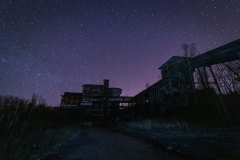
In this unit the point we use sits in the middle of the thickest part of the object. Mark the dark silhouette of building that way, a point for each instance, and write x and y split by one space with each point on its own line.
71 99
177 88
101 100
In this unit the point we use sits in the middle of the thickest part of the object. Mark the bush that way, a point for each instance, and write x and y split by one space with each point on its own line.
28 127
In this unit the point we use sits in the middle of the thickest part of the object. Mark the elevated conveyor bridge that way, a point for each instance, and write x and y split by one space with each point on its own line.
225 53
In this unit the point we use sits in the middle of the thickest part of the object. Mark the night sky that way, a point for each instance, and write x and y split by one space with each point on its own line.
50 47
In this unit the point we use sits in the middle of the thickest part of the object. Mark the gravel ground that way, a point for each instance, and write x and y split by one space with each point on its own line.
97 143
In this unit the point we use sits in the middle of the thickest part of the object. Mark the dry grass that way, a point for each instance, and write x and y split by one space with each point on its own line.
59 137
149 124
29 130
29 140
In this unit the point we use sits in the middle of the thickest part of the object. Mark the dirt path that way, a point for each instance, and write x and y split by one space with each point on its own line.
103 144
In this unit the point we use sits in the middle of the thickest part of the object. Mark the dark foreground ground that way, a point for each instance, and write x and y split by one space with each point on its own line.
214 144
97 143
120 143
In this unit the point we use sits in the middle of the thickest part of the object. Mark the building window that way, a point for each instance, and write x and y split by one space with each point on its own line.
170 66
175 84
164 71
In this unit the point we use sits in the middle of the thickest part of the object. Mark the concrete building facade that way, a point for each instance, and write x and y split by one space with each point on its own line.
100 99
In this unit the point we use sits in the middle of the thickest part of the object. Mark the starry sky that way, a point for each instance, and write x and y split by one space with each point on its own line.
50 47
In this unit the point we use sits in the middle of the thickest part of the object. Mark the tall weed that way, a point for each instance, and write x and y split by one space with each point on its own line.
29 128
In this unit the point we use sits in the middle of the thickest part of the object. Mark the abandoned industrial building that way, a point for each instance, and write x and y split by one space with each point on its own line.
176 88
100 100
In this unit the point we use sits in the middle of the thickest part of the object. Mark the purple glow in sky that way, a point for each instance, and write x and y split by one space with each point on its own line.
54 46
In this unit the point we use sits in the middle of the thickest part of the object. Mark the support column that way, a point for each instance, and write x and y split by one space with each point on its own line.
105 97
201 78
66 100
215 80
221 101
205 72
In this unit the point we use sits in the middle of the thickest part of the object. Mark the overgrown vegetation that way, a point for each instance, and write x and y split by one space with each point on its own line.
151 124
29 128
216 98
215 102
